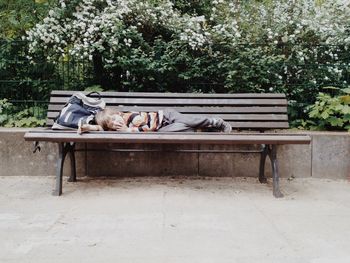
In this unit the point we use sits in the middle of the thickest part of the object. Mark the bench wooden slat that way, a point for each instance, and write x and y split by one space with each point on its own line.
168 138
183 102
238 125
259 125
227 117
194 109
60 93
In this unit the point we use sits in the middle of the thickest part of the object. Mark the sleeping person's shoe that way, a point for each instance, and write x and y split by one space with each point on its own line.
222 125
226 127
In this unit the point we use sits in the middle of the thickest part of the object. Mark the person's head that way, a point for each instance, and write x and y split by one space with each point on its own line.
107 118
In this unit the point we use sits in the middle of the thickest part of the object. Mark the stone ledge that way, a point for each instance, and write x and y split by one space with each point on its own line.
326 157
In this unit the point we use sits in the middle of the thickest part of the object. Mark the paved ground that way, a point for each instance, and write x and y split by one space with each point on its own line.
174 220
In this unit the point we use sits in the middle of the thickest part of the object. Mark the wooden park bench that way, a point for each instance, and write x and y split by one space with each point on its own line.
257 113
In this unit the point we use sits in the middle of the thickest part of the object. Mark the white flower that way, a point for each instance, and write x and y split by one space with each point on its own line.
90 28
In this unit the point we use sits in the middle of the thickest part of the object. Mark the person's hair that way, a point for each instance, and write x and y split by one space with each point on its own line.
103 117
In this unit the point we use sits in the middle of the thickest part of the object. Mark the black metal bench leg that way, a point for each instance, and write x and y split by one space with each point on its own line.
59 172
273 157
73 176
262 177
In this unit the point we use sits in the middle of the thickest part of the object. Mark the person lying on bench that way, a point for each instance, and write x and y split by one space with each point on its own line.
167 120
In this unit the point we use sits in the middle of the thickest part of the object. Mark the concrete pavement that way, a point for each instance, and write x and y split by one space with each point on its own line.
174 219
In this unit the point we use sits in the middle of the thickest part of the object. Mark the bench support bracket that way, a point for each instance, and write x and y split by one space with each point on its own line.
271 151
63 149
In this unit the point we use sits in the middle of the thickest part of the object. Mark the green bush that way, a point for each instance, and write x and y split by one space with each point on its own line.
330 112
5 107
10 116
197 46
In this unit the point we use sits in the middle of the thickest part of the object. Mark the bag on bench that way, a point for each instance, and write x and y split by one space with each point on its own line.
80 109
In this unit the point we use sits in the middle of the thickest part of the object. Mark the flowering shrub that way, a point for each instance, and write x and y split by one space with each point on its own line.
84 28
219 46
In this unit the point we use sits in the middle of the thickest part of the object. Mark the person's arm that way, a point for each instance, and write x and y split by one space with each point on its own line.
137 122
121 126
89 127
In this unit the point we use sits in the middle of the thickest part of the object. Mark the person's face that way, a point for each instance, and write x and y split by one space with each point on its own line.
115 122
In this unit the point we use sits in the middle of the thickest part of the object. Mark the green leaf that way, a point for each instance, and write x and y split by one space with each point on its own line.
339 107
336 122
314 113
96 88
324 115
346 109
346 117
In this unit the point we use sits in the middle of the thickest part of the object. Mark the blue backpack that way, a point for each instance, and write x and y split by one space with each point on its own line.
80 109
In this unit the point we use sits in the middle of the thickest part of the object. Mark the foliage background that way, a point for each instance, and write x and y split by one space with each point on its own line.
294 47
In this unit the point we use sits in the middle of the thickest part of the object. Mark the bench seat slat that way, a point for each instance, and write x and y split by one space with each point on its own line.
59 93
194 109
239 125
259 125
227 117
166 138
183 102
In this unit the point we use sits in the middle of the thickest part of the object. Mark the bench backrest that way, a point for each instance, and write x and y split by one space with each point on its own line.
258 111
